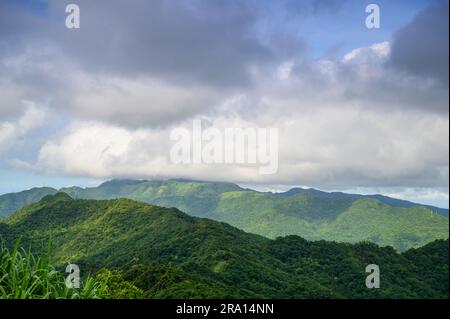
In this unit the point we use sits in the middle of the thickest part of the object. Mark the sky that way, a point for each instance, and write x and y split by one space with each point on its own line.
357 109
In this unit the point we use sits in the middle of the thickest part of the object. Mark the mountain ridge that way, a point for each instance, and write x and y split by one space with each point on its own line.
309 213
294 190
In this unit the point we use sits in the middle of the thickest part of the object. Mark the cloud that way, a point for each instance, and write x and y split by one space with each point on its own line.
360 79
316 7
11 131
215 43
11 96
132 102
375 116
332 148
114 150
146 102
161 64
193 41
157 62
364 148
421 47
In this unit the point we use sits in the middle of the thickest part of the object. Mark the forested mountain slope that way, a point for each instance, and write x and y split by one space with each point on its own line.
308 213
169 254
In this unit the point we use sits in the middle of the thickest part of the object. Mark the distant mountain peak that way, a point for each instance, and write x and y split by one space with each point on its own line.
121 182
299 190
57 197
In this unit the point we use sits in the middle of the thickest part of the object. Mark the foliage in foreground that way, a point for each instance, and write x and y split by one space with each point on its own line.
24 275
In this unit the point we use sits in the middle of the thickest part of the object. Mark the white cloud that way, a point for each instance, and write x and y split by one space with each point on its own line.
100 150
379 50
140 102
326 148
45 75
11 131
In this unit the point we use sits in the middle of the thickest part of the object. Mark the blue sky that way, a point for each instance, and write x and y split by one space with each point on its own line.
344 28
196 60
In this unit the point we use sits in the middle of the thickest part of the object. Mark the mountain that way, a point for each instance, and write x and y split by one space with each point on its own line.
308 213
394 202
9 203
169 254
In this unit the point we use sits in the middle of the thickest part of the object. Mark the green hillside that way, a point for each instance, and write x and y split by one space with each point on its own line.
311 214
308 213
9 203
168 254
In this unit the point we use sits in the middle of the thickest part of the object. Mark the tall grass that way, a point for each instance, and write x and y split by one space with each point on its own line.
24 275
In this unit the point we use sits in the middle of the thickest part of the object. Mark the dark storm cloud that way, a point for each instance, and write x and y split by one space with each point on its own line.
204 41
211 42
422 47
201 41
207 47
204 47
